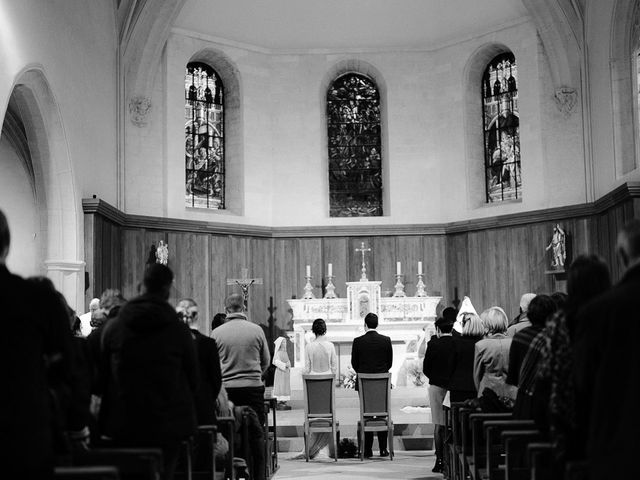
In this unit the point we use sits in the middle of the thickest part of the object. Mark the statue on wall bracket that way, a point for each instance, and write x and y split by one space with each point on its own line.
558 247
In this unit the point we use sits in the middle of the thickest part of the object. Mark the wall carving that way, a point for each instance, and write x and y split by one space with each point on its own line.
566 99
139 108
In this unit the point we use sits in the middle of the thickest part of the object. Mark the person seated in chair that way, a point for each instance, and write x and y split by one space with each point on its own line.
372 353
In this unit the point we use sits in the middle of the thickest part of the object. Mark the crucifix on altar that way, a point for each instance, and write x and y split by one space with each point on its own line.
244 283
363 278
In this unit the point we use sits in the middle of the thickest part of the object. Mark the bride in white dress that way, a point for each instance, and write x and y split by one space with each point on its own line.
320 358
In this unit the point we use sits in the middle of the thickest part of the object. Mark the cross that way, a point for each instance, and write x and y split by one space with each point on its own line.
244 283
364 268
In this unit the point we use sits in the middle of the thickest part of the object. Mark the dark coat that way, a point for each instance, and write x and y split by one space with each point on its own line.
461 379
371 353
607 372
210 378
438 361
35 331
151 367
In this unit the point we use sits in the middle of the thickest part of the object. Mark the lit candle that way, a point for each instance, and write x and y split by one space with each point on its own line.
398 272
419 268
308 270
330 270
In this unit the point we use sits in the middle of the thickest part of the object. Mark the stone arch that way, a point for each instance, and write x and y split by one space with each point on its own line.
472 108
234 132
625 42
54 182
364 68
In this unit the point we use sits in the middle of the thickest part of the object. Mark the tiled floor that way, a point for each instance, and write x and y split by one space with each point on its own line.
411 465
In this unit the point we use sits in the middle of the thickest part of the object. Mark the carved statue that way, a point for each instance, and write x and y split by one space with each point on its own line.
558 247
162 253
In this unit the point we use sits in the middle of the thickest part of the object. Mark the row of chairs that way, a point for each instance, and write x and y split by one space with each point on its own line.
495 446
375 408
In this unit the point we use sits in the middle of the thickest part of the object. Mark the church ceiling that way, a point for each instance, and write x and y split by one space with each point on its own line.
347 24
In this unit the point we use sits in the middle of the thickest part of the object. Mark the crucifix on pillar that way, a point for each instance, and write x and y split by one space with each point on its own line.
244 283
363 278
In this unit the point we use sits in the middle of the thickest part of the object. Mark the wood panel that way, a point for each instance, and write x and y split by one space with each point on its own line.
383 266
334 251
285 285
310 253
434 259
219 255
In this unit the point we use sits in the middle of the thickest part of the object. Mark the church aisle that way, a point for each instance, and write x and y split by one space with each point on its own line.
411 465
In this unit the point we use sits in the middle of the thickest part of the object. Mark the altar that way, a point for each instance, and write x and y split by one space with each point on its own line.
406 320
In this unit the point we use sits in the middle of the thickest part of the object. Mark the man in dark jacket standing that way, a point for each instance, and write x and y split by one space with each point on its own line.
607 367
438 367
152 372
35 336
372 353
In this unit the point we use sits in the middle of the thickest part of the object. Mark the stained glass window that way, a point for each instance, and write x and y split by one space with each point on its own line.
501 129
355 153
204 137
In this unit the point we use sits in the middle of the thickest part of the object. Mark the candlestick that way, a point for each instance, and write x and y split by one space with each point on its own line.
308 288
330 288
308 270
398 270
419 268
399 286
420 286
330 271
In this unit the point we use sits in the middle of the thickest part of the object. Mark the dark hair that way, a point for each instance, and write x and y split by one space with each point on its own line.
111 300
560 299
371 320
540 309
588 277
5 235
450 314
218 319
319 327
444 325
157 279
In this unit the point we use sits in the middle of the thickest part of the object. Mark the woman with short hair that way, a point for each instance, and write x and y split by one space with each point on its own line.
491 359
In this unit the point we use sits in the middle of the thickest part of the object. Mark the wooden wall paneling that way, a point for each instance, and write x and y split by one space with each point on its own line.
499 255
381 262
219 259
539 258
408 253
457 266
261 266
519 268
136 244
286 283
89 252
477 273
115 255
239 258
334 251
189 260
310 253
434 266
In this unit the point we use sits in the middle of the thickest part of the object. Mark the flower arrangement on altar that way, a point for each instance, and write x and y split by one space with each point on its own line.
348 380
415 373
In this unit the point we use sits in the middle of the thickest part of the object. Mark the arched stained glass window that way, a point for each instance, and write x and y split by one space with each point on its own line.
204 137
501 129
355 153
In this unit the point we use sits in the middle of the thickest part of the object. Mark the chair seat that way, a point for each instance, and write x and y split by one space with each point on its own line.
321 422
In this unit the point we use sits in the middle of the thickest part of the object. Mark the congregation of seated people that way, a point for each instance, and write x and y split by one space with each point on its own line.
551 394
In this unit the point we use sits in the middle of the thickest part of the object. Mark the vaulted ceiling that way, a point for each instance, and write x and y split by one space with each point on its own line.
295 25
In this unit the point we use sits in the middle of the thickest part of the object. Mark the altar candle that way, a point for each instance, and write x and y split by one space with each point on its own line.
419 268
330 270
308 270
398 272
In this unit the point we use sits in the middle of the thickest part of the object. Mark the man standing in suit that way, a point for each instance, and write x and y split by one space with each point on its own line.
607 368
372 353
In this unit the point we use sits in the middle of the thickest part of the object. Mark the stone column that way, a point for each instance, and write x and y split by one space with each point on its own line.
68 278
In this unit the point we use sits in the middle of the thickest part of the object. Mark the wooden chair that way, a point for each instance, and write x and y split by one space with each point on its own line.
132 463
319 409
228 426
86 473
495 468
476 460
375 407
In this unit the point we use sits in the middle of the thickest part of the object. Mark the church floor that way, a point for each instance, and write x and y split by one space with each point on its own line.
406 465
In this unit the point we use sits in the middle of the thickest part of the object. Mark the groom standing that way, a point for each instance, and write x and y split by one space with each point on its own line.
372 353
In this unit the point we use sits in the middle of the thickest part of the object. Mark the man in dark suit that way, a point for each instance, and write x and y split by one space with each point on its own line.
372 353
438 367
607 368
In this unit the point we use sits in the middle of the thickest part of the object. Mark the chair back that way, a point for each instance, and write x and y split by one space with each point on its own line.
319 395
375 393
